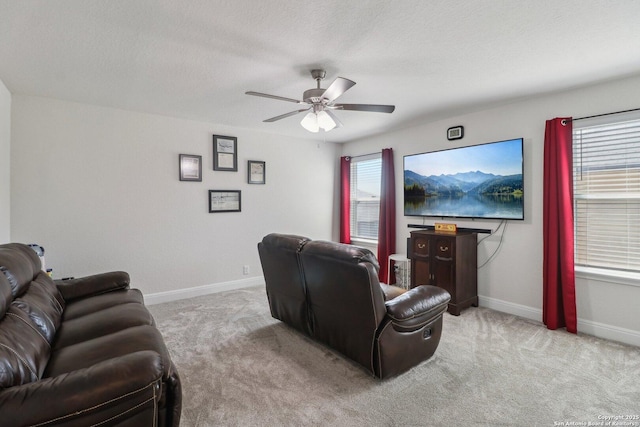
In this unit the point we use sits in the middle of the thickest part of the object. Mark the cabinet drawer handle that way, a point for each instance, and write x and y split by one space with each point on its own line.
439 258
444 248
421 245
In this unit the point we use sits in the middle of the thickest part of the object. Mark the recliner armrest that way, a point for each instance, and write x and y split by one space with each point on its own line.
93 285
417 307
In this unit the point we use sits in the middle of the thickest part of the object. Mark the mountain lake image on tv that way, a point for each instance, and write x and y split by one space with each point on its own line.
479 181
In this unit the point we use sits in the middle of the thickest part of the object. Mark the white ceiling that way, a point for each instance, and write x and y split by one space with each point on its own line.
195 59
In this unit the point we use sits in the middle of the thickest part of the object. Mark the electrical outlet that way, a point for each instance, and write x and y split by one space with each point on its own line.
245 270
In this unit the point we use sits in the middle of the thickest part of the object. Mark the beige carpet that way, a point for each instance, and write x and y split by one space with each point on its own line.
240 367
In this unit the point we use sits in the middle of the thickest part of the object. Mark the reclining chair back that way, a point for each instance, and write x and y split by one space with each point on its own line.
346 303
283 278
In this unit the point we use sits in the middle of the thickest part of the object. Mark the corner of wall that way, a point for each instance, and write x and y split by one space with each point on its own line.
5 163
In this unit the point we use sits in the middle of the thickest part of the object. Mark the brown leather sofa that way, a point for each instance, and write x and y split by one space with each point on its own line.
331 293
79 352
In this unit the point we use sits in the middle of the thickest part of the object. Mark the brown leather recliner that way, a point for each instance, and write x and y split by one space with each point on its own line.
79 352
330 292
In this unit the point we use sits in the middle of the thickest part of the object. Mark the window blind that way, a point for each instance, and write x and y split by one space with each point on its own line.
606 183
365 196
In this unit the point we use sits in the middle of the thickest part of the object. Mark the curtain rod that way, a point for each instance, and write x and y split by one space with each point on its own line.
377 153
362 155
605 114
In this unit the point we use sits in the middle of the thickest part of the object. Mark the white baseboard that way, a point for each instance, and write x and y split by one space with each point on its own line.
511 308
178 294
600 330
614 333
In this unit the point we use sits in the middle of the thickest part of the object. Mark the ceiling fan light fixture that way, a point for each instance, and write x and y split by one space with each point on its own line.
325 121
310 122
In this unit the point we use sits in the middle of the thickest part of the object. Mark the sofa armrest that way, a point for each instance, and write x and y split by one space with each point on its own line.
417 307
110 390
93 285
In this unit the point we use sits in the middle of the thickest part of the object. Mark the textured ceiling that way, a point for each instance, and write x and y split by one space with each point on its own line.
195 59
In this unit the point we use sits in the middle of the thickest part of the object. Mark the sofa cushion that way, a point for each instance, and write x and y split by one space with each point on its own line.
30 311
43 304
24 351
101 323
87 353
11 280
95 284
21 265
5 295
84 306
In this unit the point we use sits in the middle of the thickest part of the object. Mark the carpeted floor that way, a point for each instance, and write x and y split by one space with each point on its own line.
240 367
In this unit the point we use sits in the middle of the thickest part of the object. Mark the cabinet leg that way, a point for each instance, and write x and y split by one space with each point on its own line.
455 310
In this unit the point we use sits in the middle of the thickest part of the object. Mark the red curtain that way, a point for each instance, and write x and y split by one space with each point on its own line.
387 222
559 293
345 199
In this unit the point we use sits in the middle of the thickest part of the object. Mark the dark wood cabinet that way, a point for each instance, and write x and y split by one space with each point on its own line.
449 261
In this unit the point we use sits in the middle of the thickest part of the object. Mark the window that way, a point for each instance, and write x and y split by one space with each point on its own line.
365 196
606 183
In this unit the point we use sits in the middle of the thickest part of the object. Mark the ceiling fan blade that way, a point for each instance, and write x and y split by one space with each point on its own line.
334 117
339 86
284 116
281 98
366 107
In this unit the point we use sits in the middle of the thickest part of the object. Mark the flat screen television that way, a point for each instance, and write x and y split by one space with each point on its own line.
480 181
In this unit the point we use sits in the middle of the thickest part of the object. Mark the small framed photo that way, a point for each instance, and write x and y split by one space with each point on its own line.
225 153
190 167
224 201
256 172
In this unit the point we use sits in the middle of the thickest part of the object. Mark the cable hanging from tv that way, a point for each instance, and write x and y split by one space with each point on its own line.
502 224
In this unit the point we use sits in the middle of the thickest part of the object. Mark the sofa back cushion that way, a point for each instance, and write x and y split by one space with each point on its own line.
43 305
283 278
30 313
33 291
345 300
24 352
5 295
20 264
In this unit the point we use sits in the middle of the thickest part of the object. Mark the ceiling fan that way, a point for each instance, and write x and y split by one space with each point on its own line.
320 104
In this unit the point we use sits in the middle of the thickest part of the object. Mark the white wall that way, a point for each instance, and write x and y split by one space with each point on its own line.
5 156
512 282
99 189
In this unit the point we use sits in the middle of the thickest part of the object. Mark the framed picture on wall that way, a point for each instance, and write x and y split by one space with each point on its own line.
256 172
190 167
225 153
224 201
